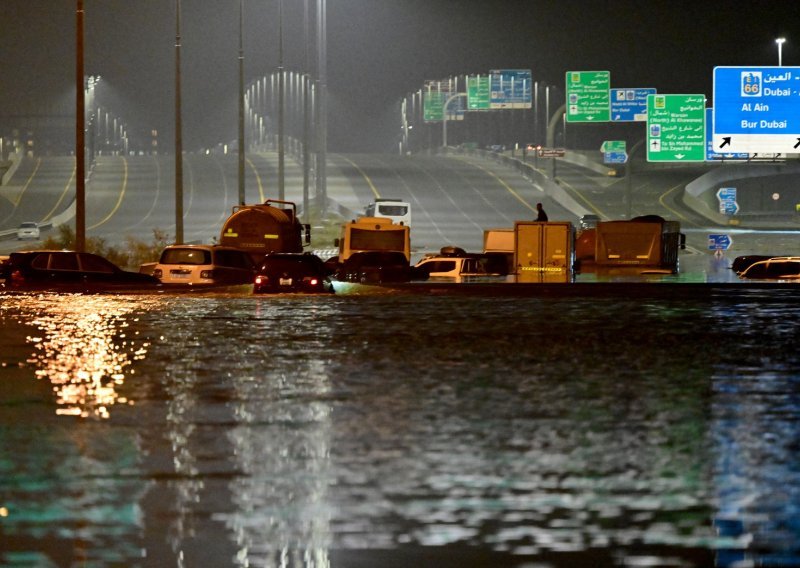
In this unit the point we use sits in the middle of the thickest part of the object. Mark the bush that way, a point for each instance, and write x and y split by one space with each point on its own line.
134 254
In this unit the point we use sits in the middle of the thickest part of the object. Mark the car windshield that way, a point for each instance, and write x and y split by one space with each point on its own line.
185 256
28 226
394 210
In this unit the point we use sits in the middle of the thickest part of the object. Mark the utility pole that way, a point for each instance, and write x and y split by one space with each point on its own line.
80 136
241 102
306 116
178 130
281 104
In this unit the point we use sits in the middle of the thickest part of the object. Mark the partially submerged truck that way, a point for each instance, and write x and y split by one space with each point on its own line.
373 249
266 227
646 242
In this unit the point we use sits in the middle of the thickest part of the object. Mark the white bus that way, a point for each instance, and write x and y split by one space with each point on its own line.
398 211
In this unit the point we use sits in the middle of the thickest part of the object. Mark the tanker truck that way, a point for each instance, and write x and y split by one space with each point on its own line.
266 227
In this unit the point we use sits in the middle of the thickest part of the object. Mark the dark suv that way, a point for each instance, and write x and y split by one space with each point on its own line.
61 270
287 272
375 267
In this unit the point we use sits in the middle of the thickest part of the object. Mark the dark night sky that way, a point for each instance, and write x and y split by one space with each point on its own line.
378 51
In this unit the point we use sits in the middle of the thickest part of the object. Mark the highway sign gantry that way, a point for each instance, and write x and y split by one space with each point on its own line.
588 98
757 110
676 128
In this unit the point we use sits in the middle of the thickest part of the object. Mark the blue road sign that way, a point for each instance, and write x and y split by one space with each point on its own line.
727 201
719 242
629 105
757 109
511 88
711 155
615 157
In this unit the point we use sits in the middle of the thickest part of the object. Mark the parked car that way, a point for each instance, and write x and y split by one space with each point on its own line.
69 271
776 268
28 231
375 267
192 265
292 272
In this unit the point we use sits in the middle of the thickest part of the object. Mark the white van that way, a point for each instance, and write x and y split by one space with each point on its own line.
398 211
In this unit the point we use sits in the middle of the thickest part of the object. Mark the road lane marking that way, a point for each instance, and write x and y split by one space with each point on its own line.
27 183
504 184
665 206
258 180
63 194
364 175
121 195
588 203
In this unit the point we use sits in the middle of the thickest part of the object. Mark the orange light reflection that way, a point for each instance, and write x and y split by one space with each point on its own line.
86 349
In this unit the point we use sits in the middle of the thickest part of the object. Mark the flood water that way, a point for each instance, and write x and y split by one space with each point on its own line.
400 429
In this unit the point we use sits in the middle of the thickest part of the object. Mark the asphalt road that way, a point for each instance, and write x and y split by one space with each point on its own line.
454 199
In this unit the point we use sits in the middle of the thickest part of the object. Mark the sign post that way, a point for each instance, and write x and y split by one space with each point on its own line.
614 152
676 128
588 98
727 201
719 242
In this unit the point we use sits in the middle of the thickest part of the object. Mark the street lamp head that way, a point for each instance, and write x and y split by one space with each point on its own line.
780 41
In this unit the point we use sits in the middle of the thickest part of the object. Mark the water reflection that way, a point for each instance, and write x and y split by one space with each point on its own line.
298 431
268 475
756 430
83 346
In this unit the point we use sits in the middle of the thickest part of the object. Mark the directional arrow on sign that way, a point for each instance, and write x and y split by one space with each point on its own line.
798 143
680 156
725 141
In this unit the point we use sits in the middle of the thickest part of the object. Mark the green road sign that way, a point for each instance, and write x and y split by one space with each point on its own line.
588 98
676 128
610 146
433 103
478 92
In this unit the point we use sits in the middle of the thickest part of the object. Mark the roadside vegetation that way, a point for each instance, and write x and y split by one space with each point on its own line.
135 252
129 256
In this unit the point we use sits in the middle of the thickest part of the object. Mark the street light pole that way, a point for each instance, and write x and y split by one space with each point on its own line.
444 116
281 88
178 130
780 41
241 102
80 137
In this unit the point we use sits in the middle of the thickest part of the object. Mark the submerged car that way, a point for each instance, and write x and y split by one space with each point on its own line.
775 268
375 267
69 271
292 272
204 265
455 264
28 231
